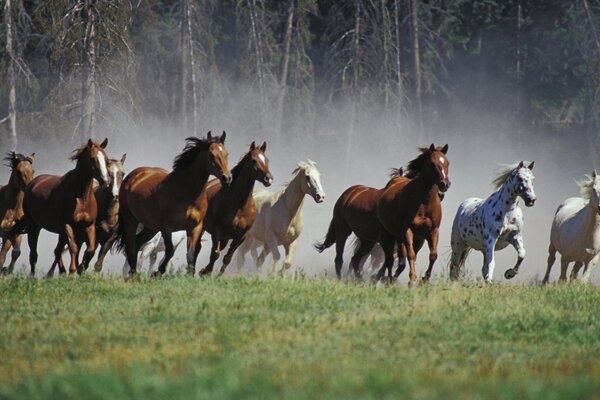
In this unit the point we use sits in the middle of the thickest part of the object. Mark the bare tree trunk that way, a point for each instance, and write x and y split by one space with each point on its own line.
592 101
88 120
414 18
386 50
12 79
257 47
283 73
355 78
185 64
193 68
520 110
399 83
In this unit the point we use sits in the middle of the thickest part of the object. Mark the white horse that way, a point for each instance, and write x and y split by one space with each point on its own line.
493 223
279 217
575 232
152 247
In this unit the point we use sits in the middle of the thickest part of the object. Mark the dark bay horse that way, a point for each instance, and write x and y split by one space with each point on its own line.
409 210
66 205
11 205
107 200
166 202
231 209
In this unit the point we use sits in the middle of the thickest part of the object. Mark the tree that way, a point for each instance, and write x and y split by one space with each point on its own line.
12 79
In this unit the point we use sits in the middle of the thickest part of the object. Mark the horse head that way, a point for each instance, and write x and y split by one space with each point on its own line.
218 155
440 164
261 164
115 174
22 168
311 180
593 190
524 183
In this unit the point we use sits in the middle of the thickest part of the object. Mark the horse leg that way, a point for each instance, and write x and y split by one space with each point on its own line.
341 235
410 255
58 250
194 244
401 253
432 241
6 245
73 248
589 267
387 244
551 259
517 242
575 271
290 249
564 265
488 261
363 249
215 252
169 251
104 248
33 235
235 243
90 250
16 252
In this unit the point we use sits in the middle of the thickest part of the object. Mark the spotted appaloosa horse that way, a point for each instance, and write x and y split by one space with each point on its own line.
493 223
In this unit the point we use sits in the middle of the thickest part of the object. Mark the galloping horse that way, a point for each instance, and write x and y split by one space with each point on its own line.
66 205
231 210
152 247
493 223
11 205
575 232
107 200
356 211
279 217
409 210
167 202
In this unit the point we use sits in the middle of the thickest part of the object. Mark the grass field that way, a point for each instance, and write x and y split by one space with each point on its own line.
95 337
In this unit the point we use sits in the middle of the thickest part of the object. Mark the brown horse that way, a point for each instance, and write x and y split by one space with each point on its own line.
231 210
107 200
166 202
66 205
410 211
11 205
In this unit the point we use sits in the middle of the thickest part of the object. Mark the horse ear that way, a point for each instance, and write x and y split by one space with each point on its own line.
31 157
209 136
594 174
431 148
104 143
445 149
223 136
263 148
123 158
530 166
520 165
252 146
90 143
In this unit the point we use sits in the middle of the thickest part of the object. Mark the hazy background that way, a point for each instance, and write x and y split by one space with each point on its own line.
355 86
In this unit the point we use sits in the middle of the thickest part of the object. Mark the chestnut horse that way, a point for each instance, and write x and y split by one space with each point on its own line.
357 211
166 202
107 200
11 205
231 210
66 205
410 210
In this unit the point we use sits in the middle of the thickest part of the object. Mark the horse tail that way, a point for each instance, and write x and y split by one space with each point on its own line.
119 244
329 238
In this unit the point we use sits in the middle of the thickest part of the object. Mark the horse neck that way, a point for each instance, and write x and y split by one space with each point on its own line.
192 179
591 218
422 188
242 184
13 196
507 198
83 179
293 197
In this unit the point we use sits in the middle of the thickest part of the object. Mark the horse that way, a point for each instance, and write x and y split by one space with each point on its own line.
152 247
165 201
410 211
279 216
107 200
231 210
494 222
66 205
356 211
575 232
11 205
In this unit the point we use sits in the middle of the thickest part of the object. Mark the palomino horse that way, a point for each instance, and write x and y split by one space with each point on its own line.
575 232
357 211
279 218
231 209
493 223
11 205
107 200
66 205
166 202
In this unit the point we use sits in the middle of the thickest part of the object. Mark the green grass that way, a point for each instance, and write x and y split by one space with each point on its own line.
176 337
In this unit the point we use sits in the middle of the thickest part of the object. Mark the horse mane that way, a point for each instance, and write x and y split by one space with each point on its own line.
504 174
235 170
304 165
12 159
396 172
413 168
192 147
585 187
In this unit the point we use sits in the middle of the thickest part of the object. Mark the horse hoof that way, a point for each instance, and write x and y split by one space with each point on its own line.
4 271
155 274
510 273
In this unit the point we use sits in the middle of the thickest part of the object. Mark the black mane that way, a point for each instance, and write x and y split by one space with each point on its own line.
12 159
414 167
192 147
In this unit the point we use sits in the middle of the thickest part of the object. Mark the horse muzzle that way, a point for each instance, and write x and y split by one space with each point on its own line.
267 180
530 202
226 179
319 198
444 186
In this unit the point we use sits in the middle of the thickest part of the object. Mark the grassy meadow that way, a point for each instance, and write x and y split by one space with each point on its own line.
95 337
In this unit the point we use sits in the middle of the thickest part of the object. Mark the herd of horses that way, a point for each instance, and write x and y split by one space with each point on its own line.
153 209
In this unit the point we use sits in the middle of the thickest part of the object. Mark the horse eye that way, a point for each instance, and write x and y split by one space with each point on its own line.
521 188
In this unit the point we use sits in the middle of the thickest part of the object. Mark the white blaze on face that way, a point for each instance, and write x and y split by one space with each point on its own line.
262 158
102 165
220 148
316 178
443 161
114 187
